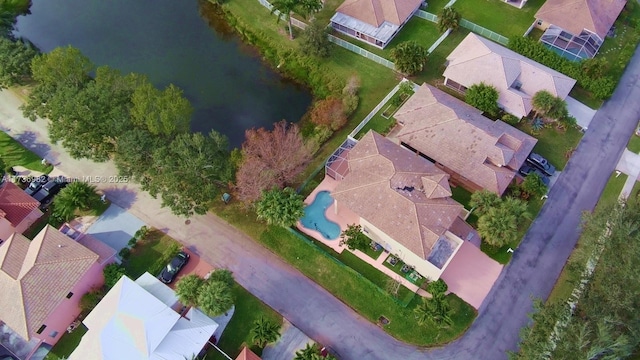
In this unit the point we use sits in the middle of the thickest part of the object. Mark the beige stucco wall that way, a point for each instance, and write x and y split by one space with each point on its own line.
544 26
29 220
422 266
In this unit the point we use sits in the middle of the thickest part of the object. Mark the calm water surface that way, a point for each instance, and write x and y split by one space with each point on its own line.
169 41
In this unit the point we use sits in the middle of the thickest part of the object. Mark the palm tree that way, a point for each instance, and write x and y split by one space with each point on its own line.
436 310
307 353
448 19
188 288
300 7
77 195
483 200
280 207
497 227
215 298
264 332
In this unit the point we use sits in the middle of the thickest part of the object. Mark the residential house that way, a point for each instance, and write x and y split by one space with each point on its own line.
373 21
478 60
42 282
576 29
476 152
404 204
247 354
143 319
18 211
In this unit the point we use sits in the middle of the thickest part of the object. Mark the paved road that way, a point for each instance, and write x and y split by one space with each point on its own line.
533 270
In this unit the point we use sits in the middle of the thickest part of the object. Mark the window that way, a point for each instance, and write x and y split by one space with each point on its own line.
539 22
69 295
53 334
41 329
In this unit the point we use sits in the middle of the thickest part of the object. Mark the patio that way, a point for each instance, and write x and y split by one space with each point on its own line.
344 217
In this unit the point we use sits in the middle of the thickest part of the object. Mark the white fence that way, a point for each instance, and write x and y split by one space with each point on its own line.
362 52
427 16
484 32
376 109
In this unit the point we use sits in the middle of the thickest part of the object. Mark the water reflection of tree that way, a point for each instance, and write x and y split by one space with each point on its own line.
212 14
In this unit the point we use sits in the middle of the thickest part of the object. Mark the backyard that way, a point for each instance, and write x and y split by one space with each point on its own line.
499 16
237 334
435 66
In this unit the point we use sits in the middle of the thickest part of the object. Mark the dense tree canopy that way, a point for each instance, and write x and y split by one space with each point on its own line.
409 57
498 224
354 238
163 112
15 61
483 97
314 40
449 18
187 289
303 8
76 196
549 106
280 207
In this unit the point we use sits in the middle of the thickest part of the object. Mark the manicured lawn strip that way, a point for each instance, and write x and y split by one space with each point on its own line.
623 44
436 6
566 282
553 144
237 334
328 10
585 97
372 253
463 196
434 68
151 254
67 343
14 154
634 191
499 16
634 144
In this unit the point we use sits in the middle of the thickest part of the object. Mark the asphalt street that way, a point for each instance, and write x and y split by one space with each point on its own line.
532 272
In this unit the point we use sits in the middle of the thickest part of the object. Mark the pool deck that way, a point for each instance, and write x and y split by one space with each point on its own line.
345 217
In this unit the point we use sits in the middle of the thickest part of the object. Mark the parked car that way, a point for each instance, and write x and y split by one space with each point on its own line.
50 189
526 170
541 163
172 269
36 184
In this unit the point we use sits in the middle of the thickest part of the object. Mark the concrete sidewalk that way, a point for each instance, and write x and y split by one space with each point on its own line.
629 164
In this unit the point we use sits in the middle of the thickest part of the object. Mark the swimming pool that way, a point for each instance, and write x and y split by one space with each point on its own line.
315 219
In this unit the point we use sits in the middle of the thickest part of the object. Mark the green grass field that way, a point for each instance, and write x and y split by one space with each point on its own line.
555 145
499 16
14 154
150 254
67 343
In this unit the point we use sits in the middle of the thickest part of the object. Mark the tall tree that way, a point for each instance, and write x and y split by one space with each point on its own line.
134 151
549 106
270 159
189 172
188 288
449 18
9 10
314 40
264 332
354 238
280 207
222 275
215 298
77 195
308 352
533 185
15 61
301 7
483 97
481 201
409 57
436 310
165 112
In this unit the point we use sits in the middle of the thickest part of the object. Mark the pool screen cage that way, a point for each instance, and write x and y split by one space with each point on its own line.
337 166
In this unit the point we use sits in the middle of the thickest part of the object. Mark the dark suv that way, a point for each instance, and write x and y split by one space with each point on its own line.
50 189
36 184
541 163
173 268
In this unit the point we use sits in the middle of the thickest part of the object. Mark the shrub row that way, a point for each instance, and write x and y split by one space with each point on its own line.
600 86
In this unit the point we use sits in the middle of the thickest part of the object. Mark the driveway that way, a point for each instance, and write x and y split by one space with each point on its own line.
291 340
580 111
115 227
471 274
532 272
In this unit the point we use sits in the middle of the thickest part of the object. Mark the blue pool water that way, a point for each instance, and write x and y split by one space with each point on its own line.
314 218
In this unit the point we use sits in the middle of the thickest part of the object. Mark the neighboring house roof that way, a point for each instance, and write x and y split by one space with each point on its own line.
247 354
15 204
400 193
105 252
132 323
574 16
516 77
36 275
376 12
457 135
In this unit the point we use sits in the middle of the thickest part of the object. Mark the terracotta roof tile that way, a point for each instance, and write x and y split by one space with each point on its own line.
385 185
247 354
459 137
52 265
15 204
574 16
478 60
376 12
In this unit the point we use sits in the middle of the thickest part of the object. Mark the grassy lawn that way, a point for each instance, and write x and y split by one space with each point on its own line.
463 196
237 334
14 154
383 122
553 144
67 343
585 97
436 6
567 280
624 42
634 144
151 254
499 16
434 68
422 31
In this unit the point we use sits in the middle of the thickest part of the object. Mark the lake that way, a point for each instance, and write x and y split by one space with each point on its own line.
230 88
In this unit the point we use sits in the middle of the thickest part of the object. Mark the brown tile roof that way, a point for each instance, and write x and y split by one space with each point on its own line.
574 16
376 12
400 193
35 276
15 204
458 136
477 60
247 354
